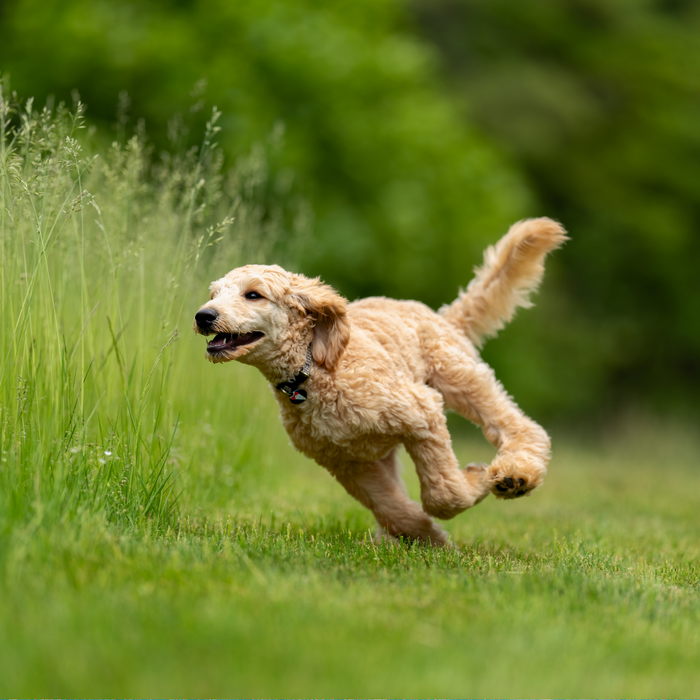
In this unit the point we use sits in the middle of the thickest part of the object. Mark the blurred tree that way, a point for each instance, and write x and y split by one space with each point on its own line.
405 195
599 102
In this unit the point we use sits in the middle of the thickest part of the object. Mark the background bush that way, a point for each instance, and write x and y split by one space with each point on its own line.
418 133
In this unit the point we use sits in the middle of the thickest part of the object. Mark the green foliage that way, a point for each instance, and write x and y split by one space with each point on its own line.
405 196
585 110
598 103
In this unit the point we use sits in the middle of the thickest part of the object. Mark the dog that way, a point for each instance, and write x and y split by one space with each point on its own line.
356 380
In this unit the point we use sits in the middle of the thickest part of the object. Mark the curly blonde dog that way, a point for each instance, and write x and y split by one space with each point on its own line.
355 381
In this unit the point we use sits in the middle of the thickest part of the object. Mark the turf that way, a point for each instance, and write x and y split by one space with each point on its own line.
159 537
589 588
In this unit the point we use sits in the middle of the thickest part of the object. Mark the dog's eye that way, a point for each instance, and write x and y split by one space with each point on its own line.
253 295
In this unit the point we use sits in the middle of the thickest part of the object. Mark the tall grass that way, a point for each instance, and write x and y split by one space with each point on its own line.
104 258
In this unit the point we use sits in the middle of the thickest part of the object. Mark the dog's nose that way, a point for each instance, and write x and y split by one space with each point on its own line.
205 317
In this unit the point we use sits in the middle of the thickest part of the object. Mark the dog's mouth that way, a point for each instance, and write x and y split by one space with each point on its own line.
229 341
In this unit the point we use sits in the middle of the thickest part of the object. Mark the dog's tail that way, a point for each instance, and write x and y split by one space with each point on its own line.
512 270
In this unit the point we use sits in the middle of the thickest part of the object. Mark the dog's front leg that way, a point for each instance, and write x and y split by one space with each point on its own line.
446 490
379 487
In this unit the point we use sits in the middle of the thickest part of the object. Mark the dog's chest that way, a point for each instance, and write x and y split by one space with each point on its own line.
332 440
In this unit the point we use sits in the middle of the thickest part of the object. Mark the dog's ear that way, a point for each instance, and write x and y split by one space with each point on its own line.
327 308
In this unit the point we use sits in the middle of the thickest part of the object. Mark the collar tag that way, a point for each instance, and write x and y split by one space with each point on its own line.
298 396
291 388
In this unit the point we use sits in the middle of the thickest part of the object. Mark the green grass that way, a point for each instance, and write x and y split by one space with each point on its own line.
159 537
587 589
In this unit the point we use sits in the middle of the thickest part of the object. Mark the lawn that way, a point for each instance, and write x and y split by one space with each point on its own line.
159 537
589 588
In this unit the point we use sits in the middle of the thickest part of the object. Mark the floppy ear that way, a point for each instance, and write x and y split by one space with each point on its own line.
328 308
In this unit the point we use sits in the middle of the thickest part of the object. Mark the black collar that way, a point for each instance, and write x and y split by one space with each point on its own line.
291 388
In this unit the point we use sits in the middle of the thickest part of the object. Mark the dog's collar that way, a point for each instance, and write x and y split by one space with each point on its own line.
291 388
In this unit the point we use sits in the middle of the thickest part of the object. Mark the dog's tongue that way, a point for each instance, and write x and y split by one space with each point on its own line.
228 341
220 339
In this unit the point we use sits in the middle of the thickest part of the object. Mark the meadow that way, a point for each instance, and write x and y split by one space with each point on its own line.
159 536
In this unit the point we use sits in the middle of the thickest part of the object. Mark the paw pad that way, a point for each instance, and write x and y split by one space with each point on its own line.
508 487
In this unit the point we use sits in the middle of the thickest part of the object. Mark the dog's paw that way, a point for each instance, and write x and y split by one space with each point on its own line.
510 487
477 475
513 478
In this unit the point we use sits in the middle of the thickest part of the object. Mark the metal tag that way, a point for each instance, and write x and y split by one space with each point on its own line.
298 396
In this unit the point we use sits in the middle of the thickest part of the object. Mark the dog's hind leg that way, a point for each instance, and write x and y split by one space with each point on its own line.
470 387
379 487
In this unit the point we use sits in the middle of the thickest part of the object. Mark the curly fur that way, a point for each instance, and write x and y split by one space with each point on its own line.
383 373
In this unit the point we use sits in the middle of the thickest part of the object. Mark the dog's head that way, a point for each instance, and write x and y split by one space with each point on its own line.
257 312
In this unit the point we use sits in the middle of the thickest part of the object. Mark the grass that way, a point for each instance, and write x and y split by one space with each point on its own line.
159 537
589 588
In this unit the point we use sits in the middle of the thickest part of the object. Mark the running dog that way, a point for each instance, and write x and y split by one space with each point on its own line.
356 380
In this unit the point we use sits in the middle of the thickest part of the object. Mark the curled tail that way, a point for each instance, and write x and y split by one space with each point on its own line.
512 270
